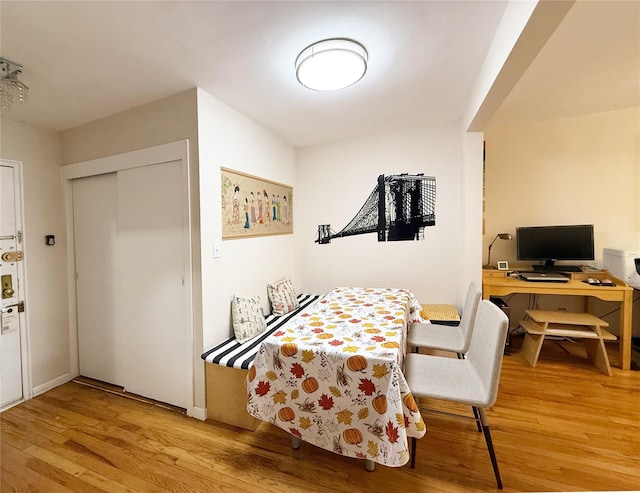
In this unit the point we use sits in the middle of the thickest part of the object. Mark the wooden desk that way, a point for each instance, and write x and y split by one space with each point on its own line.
497 283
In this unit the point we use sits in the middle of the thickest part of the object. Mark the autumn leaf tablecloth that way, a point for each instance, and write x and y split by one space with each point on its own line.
332 376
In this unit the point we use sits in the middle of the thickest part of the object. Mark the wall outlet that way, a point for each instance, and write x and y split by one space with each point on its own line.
562 309
216 250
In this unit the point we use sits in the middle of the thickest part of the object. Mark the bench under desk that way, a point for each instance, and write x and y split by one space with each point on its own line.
584 326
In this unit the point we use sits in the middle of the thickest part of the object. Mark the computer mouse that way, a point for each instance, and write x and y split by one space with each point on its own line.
591 280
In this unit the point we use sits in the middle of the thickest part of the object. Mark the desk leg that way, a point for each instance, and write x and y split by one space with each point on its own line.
625 330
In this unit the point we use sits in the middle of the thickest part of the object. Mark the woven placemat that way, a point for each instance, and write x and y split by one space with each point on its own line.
440 312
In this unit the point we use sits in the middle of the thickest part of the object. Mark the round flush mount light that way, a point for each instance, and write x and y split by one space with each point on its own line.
331 64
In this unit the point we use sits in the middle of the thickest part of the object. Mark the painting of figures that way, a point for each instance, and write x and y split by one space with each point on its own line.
254 206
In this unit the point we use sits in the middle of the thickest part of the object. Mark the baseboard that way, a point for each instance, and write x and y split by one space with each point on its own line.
9 406
197 413
41 389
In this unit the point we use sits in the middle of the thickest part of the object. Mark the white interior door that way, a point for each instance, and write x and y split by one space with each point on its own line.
12 337
133 328
95 213
151 302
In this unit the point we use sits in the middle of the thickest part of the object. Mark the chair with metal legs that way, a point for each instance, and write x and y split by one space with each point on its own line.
446 337
471 381
455 339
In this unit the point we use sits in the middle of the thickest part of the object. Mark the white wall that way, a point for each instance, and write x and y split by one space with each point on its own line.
166 120
583 170
39 150
231 140
334 182
471 224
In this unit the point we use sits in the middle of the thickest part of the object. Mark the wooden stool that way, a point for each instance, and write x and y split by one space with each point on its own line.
565 324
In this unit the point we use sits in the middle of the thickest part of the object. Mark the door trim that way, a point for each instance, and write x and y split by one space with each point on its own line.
25 354
175 151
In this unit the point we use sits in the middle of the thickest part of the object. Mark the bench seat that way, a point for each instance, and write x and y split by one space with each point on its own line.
226 370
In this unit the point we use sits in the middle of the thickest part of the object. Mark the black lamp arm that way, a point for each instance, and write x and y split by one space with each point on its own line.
504 236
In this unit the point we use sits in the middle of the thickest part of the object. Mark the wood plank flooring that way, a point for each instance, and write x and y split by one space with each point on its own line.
561 426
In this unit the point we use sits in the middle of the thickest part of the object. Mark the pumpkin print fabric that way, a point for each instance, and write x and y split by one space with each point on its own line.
332 376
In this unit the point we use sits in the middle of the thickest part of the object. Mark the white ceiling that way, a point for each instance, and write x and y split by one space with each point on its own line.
590 64
86 60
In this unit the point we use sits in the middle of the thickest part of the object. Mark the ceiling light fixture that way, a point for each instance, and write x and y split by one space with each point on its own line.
331 64
10 87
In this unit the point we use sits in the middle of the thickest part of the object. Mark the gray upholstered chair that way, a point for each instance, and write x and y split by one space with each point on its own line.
472 381
445 337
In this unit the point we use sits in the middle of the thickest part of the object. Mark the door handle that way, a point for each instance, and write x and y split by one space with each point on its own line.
7 286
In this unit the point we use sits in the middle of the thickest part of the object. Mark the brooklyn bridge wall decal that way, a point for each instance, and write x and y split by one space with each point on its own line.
398 209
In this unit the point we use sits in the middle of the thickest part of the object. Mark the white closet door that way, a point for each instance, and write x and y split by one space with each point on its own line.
152 326
133 324
95 201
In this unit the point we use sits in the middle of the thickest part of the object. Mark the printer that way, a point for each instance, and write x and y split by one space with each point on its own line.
624 264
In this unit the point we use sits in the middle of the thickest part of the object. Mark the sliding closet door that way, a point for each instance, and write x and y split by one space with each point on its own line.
133 323
95 211
151 300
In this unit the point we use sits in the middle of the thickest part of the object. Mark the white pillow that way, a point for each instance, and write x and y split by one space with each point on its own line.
282 296
248 318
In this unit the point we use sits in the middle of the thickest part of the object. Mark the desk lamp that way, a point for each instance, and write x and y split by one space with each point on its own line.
502 236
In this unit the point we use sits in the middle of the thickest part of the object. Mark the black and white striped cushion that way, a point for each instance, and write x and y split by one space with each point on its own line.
235 355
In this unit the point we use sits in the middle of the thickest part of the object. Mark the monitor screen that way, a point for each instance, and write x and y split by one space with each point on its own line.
550 243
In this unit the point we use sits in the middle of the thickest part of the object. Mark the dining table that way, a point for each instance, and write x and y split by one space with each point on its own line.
332 376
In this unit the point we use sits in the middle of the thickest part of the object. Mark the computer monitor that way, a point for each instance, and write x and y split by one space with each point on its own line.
551 243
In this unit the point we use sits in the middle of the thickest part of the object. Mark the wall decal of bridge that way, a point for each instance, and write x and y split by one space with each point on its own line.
398 209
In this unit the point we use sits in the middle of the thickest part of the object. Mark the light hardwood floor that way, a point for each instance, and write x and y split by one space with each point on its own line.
561 426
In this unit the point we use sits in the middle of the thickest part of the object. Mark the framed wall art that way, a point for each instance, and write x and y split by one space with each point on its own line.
254 206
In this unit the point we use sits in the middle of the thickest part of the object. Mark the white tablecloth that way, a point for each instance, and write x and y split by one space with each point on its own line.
332 376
